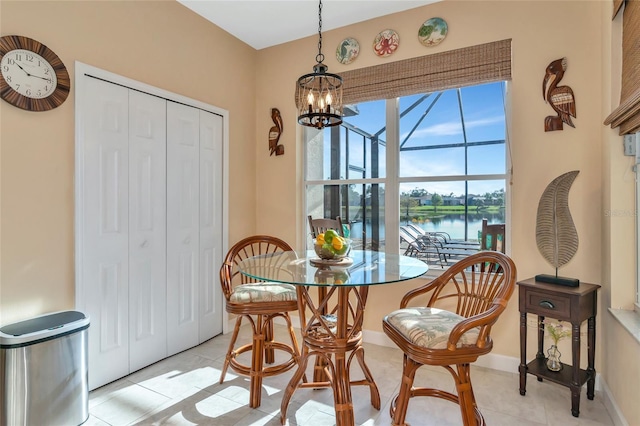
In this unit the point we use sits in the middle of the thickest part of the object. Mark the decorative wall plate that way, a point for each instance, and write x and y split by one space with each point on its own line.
347 51
433 31
385 43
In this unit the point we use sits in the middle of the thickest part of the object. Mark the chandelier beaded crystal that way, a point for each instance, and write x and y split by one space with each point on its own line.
319 94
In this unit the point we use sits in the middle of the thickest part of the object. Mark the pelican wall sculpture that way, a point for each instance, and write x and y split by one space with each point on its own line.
275 132
560 98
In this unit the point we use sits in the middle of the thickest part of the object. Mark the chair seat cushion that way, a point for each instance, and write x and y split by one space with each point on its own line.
430 327
263 292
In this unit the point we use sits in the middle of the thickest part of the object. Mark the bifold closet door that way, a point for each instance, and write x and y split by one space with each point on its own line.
211 254
183 233
147 230
149 226
124 229
194 226
105 229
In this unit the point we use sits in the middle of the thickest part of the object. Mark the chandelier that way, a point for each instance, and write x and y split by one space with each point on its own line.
319 94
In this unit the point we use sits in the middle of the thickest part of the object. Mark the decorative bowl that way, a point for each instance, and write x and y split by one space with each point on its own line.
333 250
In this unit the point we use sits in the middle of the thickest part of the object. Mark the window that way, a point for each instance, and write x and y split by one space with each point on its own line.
436 160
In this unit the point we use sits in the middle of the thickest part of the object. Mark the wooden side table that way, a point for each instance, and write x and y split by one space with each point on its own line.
572 304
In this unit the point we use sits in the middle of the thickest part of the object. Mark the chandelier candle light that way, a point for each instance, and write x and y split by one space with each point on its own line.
319 94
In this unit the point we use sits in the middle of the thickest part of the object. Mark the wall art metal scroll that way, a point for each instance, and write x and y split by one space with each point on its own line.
560 97
275 132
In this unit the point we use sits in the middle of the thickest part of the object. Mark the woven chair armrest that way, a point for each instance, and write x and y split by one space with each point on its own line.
225 278
484 320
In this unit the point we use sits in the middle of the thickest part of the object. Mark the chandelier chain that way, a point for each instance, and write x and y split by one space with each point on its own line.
320 56
319 94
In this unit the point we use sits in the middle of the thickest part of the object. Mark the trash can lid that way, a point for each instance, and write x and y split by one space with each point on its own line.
42 327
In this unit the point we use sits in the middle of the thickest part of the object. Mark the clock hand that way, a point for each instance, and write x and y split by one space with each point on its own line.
25 71
32 75
37 76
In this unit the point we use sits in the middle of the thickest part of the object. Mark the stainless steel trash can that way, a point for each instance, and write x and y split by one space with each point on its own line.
44 370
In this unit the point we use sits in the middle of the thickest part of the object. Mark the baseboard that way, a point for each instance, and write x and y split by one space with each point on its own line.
493 361
612 407
497 362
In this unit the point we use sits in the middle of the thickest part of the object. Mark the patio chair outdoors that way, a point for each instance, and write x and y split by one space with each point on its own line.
475 291
421 248
445 238
447 252
260 303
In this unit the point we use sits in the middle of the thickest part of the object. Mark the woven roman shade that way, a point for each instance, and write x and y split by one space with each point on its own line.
627 115
478 64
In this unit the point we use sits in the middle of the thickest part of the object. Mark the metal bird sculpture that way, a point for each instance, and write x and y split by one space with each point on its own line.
560 97
275 132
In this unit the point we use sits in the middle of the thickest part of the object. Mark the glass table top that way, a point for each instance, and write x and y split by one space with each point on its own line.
362 267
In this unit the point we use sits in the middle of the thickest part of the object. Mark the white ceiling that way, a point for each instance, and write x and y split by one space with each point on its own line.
265 23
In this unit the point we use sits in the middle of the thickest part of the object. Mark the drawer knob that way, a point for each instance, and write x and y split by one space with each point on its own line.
547 304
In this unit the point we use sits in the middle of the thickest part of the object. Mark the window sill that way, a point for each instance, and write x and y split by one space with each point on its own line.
630 320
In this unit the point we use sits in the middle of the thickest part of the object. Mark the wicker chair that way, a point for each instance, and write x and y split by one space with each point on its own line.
476 291
259 303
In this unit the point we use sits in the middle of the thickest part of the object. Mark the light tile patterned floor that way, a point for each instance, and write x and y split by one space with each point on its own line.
184 390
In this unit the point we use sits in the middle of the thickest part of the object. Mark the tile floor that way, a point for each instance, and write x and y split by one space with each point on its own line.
184 390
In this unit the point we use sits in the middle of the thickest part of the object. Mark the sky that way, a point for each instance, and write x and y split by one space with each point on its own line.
440 124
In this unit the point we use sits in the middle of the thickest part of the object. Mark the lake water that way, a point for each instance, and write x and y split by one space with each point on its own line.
453 224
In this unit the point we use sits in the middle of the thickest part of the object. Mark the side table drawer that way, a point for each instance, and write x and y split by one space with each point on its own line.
544 304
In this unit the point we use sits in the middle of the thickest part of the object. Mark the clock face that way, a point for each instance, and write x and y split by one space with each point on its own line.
28 73
32 76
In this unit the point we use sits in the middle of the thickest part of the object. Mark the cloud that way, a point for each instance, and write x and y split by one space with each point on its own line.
454 127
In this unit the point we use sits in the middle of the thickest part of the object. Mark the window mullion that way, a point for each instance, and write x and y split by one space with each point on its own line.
392 187
452 178
466 166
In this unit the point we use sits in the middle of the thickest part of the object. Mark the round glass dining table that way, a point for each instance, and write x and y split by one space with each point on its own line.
331 301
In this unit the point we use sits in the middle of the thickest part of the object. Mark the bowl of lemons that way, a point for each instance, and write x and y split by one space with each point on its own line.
331 246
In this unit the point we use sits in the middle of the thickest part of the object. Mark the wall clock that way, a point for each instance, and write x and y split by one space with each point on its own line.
33 77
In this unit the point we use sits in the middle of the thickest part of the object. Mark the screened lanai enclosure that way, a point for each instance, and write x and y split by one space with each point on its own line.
436 161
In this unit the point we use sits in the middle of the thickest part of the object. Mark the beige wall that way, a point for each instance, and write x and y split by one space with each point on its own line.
538 157
159 43
163 44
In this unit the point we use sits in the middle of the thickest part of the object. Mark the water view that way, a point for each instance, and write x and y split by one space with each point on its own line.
453 224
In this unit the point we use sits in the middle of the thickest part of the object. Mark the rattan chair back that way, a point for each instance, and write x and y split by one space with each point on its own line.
478 283
260 314
256 245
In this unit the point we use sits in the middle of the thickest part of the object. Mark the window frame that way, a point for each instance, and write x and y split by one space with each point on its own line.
392 179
